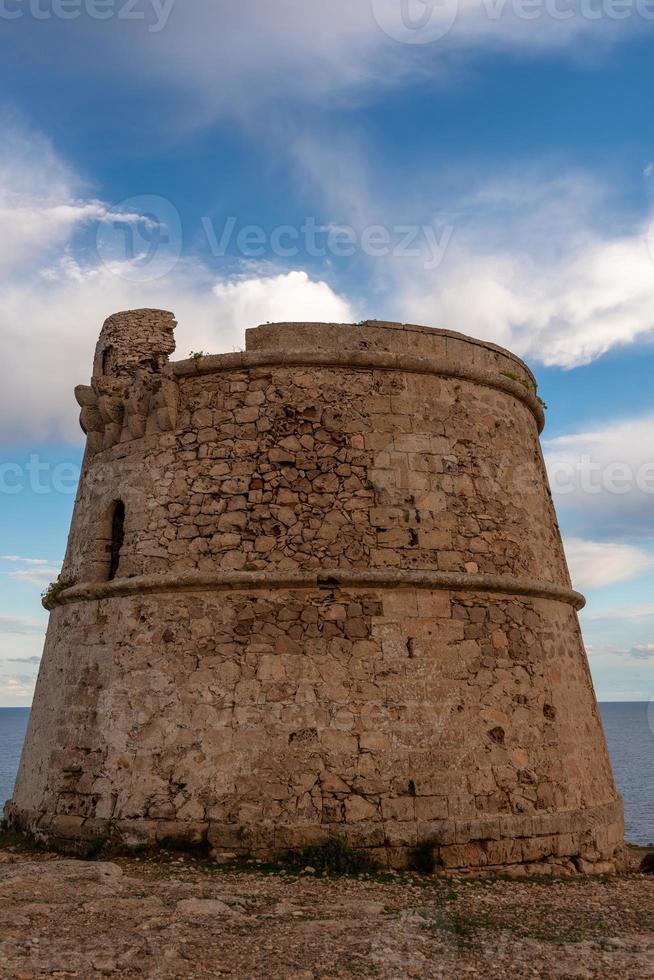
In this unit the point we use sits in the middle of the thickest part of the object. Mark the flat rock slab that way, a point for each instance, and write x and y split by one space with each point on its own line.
177 920
192 907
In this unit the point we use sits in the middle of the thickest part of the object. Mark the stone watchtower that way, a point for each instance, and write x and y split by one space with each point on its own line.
317 588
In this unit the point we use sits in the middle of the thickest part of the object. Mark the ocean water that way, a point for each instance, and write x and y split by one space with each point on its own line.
13 722
629 731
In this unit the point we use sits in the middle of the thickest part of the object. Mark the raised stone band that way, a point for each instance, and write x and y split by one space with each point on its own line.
362 360
325 578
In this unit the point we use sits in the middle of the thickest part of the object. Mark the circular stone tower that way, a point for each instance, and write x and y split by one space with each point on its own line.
317 588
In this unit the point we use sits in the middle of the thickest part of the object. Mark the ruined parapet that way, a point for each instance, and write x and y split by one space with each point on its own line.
326 595
130 392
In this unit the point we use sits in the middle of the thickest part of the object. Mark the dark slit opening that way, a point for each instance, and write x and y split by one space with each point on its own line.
117 537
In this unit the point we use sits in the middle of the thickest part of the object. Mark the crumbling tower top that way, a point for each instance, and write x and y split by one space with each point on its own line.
133 340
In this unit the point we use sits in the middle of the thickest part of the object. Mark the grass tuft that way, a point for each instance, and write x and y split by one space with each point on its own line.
332 856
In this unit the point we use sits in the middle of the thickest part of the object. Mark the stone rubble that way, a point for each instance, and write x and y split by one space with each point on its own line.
171 919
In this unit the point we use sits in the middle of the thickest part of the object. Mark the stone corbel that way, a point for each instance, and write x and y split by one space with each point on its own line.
111 392
90 417
137 406
164 405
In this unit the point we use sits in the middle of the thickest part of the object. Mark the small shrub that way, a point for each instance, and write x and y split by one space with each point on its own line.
49 597
92 849
198 849
196 355
424 857
516 377
647 864
332 855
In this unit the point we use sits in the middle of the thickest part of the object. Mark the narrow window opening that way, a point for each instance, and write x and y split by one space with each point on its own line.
106 358
117 537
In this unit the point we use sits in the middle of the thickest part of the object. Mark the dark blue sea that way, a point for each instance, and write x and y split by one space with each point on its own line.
13 722
629 730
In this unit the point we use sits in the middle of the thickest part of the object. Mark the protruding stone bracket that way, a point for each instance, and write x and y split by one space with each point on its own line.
132 393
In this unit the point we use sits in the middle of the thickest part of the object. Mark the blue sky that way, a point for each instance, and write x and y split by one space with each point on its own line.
482 165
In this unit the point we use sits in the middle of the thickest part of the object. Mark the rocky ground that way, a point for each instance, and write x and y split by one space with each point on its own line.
174 917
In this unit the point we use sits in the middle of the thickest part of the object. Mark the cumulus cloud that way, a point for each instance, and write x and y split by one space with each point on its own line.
565 313
605 475
51 309
62 318
524 263
547 267
529 265
260 300
596 563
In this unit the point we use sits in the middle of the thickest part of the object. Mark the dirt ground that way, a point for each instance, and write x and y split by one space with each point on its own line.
174 917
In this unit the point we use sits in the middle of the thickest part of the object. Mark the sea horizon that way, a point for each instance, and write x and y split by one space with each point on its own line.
629 736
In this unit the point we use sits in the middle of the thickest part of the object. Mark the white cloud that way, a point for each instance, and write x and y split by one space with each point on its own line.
529 267
222 58
643 651
31 225
606 475
25 561
36 576
526 265
51 311
16 690
36 571
22 626
623 614
596 563
40 203
547 267
290 296
61 319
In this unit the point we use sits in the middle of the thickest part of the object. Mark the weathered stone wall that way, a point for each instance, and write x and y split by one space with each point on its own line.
341 606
